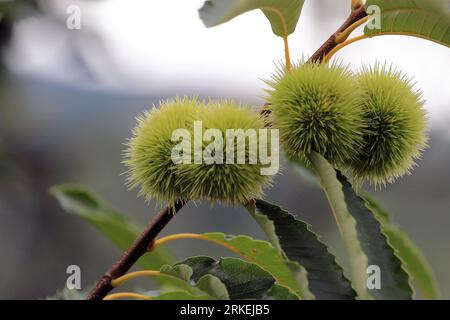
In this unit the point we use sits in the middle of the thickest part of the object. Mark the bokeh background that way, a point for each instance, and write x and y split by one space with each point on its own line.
69 98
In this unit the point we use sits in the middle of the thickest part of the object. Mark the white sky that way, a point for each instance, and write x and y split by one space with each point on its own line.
161 45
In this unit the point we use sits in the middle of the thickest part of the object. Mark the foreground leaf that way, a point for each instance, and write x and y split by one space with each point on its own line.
412 257
116 227
205 286
213 286
261 253
243 280
278 292
394 279
67 294
215 12
181 295
346 223
428 19
295 240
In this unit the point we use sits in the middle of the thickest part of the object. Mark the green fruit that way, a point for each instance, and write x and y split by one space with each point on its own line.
396 120
316 108
151 165
230 183
148 156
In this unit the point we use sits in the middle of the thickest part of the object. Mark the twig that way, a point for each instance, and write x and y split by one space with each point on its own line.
355 15
136 250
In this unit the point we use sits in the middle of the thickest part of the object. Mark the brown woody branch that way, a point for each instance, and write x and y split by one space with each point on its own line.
356 14
137 250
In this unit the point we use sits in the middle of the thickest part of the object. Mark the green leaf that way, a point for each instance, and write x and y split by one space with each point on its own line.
213 286
300 276
346 224
414 261
181 295
299 244
67 294
215 12
412 257
183 272
278 292
394 279
116 227
382 215
207 285
18 8
428 19
261 253
243 280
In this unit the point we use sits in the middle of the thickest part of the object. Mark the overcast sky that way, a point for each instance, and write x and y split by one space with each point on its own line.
161 46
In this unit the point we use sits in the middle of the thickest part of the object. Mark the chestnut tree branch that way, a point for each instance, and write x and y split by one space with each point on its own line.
136 250
356 14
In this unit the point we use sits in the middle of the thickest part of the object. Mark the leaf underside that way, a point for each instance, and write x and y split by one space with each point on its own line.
215 12
293 237
115 226
413 259
394 279
232 278
261 253
428 19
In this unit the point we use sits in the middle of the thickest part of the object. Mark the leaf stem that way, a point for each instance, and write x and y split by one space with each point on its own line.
124 295
287 55
132 275
342 45
341 37
368 36
178 236
136 250
142 273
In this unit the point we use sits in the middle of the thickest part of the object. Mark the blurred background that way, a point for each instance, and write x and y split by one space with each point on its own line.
69 98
